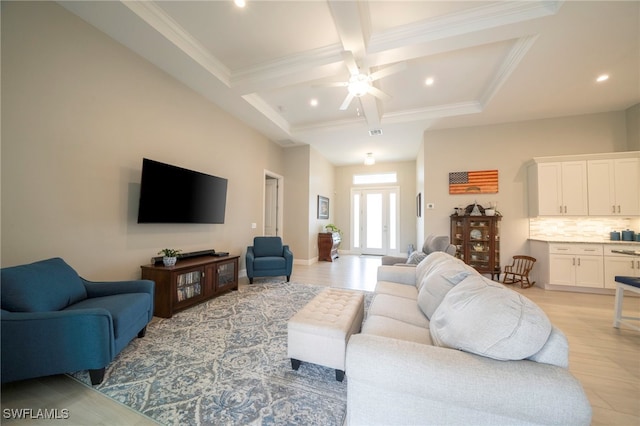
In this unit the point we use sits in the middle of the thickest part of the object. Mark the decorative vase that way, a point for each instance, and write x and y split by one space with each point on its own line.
169 261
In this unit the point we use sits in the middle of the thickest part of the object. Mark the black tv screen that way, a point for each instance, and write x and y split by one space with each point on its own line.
171 194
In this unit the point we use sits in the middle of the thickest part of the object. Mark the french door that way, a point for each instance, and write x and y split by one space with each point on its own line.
374 217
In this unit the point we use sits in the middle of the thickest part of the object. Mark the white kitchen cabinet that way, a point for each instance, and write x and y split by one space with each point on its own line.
578 265
614 187
558 188
619 264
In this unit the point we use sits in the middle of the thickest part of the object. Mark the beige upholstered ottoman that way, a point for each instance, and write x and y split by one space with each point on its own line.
319 332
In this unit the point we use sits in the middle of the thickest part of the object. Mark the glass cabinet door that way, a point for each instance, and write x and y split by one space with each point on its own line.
457 236
189 285
479 243
226 275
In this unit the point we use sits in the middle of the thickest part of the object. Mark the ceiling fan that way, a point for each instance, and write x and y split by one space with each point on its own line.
360 84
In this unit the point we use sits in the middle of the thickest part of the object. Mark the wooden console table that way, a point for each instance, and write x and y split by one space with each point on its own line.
328 245
190 281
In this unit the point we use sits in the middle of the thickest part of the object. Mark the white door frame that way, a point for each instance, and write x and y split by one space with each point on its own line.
279 203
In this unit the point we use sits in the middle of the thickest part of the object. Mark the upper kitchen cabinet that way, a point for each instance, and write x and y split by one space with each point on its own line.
558 188
585 185
614 187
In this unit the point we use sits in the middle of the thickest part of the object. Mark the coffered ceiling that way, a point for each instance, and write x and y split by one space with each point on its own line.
491 62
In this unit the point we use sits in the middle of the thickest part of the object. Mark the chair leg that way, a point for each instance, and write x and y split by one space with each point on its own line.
97 376
288 278
251 280
142 332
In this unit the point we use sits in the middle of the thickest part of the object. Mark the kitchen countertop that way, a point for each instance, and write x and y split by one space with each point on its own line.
583 240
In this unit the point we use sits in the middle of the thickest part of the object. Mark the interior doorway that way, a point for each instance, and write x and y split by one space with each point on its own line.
272 205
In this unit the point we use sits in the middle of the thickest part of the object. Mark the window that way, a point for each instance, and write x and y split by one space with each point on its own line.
375 178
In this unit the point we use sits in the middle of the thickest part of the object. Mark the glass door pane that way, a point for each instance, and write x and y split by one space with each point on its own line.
374 222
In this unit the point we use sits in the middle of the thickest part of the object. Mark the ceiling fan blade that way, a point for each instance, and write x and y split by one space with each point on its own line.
347 102
333 84
378 93
391 69
350 62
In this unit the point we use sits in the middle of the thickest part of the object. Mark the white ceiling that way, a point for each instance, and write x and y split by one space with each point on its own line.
493 62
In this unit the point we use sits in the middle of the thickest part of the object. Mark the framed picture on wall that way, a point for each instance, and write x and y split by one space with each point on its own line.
323 207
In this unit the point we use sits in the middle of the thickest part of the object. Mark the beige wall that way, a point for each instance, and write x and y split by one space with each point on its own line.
406 181
297 203
633 128
79 112
507 148
321 182
308 175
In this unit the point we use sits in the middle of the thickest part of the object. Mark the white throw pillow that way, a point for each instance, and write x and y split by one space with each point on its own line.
431 261
439 281
416 257
483 317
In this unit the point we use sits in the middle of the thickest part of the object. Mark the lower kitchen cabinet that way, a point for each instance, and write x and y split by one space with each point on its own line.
619 264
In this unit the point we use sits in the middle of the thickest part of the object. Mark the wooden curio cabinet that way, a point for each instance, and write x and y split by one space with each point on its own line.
477 239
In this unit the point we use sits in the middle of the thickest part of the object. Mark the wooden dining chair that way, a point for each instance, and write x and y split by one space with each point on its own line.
518 271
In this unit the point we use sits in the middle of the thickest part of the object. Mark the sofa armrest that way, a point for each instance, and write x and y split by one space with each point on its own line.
397 274
249 257
288 255
37 344
109 288
392 260
398 381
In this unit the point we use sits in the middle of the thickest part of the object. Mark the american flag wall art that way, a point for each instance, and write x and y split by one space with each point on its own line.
476 182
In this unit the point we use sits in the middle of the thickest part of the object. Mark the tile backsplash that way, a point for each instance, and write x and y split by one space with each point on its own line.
580 227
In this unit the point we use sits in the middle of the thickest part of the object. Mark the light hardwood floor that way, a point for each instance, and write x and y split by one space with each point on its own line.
605 360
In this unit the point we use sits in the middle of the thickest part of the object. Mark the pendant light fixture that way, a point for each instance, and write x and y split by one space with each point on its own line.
369 160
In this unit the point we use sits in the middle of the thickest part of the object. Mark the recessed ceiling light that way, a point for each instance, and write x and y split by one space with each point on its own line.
429 81
603 77
240 3
313 102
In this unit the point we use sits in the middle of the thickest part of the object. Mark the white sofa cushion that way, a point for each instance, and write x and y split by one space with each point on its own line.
483 317
555 351
395 289
400 308
427 265
396 329
439 280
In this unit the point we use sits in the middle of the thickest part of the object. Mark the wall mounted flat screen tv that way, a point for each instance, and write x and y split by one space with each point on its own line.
171 194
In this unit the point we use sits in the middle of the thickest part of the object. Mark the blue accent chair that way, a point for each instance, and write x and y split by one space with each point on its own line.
54 321
268 257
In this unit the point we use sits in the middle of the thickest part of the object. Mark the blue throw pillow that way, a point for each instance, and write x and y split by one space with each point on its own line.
47 285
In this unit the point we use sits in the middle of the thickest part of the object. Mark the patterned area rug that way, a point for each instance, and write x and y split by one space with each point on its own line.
225 362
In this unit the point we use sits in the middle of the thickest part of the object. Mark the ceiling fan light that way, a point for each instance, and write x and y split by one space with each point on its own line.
369 160
358 85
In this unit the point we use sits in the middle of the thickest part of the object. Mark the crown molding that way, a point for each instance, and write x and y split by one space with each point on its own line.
284 69
464 22
430 113
158 19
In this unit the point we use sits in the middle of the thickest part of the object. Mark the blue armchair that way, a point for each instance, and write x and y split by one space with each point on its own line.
54 321
268 257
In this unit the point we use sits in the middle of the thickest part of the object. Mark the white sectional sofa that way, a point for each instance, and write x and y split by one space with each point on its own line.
442 344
